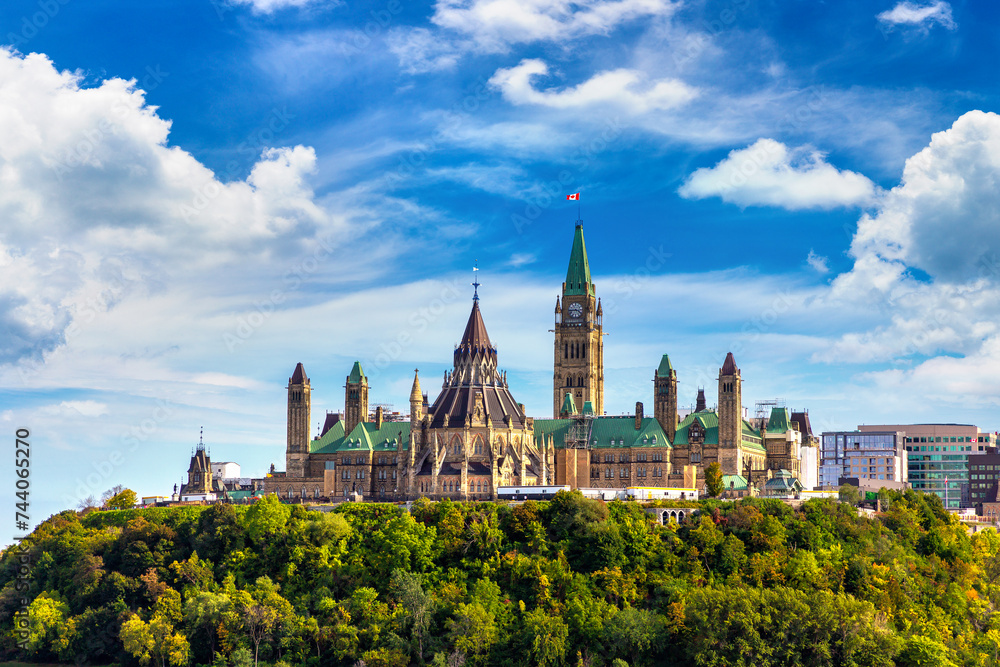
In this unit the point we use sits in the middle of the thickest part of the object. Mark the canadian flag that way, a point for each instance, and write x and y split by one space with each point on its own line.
573 197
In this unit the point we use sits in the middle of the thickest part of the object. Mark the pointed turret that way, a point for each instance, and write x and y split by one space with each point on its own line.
665 369
568 407
578 275
416 399
357 374
700 405
558 306
729 365
299 375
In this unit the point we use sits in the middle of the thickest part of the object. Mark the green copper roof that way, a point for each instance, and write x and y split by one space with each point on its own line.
366 436
709 421
578 275
568 406
779 421
734 483
606 432
588 408
665 368
356 373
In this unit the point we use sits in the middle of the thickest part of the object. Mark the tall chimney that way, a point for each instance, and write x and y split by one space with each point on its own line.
638 415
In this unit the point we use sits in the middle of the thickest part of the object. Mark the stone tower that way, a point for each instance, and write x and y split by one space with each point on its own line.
665 397
579 341
297 448
730 416
355 398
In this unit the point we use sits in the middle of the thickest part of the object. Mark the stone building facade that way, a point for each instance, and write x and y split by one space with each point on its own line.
475 436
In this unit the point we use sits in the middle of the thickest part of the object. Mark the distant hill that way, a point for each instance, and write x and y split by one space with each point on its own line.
571 581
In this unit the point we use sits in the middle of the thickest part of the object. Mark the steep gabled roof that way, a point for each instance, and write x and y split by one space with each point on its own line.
665 368
357 375
366 436
729 365
578 274
779 422
606 432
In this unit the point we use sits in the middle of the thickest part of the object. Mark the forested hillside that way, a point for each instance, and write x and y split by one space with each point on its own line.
567 582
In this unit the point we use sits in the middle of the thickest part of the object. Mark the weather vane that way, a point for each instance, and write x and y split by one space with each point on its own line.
475 283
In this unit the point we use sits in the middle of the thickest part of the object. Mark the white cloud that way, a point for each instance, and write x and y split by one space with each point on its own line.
768 173
493 25
625 88
921 16
944 216
98 208
271 6
420 50
818 263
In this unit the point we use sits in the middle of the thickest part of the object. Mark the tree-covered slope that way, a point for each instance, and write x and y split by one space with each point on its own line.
567 582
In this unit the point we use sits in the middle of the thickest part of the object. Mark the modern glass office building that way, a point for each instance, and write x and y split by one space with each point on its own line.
878 456
938 457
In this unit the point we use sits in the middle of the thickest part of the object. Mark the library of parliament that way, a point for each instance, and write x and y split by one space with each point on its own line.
475 436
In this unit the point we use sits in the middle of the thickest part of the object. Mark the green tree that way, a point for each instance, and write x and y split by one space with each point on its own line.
123 500
849 494
156 640
548 637
713 479
265 517
418 606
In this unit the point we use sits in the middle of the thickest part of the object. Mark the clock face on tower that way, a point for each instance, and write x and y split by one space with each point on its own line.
575 310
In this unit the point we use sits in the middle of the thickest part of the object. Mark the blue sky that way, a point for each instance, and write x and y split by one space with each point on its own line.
197 194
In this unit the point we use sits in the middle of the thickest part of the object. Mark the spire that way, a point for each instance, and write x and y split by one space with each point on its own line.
729 366
700 405
415 396
665 368
201 439
357 375
600 308
299 376
558 306
578 274
475 336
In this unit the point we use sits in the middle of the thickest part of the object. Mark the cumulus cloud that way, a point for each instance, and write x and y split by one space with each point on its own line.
768 173
98 207
624 88
918 16
944 220
493 25
944 216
